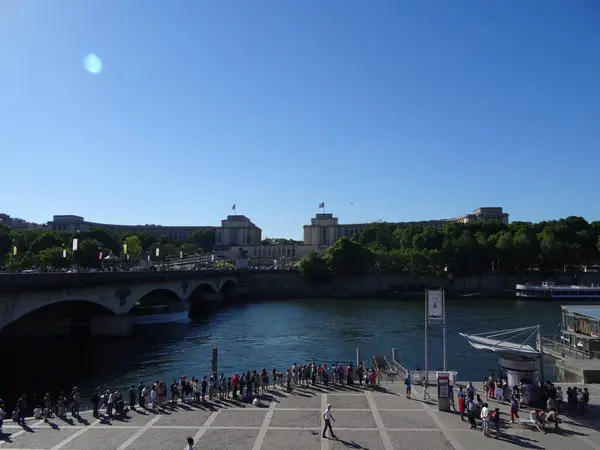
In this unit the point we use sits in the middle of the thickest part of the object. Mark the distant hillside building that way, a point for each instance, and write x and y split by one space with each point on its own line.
235 230
19 224
324 229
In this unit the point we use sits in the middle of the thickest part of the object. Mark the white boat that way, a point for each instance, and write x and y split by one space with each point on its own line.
550 290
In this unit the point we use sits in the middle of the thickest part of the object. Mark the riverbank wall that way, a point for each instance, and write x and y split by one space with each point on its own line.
277 285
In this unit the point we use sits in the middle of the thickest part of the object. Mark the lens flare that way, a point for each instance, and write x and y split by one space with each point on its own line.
92 63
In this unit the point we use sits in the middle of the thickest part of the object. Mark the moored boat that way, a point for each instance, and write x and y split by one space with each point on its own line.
550 290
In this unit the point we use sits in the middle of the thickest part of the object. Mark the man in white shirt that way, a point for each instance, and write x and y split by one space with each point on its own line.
485 418
328 418
559 399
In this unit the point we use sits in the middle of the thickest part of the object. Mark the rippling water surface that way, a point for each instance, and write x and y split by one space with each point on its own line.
273 334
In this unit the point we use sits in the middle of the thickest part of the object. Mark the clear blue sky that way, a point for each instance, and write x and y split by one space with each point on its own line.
410 110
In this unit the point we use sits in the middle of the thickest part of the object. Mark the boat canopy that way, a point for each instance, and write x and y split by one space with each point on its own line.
503 341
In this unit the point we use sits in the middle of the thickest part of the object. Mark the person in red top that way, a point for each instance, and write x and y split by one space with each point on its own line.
461 404
235 383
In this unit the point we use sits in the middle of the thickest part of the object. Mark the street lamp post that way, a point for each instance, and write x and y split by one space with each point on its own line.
75 248
13 253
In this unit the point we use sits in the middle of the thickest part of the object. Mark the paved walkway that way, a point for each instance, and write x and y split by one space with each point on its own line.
364 420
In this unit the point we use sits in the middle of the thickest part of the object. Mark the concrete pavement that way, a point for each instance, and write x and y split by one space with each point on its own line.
363 420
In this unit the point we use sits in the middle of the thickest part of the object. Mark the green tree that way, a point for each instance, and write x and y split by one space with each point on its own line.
109 240
45 241
525 249
314 268
349 256
146 241
380 232
5 243
225 265
88 253
161 252
505 250
165 251
53 257
190 249
204 238
134 247
550 250
27 261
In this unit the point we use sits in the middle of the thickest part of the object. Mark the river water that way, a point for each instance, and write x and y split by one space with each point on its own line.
270 334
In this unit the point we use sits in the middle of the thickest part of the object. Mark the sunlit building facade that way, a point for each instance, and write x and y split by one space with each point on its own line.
324 229
234 230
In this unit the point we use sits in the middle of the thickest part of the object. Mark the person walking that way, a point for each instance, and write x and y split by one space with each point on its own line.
328 418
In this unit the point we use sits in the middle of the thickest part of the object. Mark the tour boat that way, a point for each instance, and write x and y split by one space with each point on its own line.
550 290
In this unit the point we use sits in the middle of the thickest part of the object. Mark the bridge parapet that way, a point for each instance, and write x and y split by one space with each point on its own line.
20 282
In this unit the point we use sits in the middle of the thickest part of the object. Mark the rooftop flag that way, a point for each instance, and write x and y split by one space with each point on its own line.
322 205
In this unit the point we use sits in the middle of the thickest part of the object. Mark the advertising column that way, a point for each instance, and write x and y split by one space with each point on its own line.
443 385
434 312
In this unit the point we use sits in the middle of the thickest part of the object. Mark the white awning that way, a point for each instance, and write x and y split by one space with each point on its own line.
499 341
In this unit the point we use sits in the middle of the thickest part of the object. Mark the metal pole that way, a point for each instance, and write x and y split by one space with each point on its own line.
393 354
214 362
425 381
541 350
357 357
444 329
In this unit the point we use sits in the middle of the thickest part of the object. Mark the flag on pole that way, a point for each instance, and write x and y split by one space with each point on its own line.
75 244
125 248
14 250
233 207
322 205
157 251
64 253
99 255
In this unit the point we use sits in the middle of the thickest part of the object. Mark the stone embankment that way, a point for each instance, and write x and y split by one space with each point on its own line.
278 285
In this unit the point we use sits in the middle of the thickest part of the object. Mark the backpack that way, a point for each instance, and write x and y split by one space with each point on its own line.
494 416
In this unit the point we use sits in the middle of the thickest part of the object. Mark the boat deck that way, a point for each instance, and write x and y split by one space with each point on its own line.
381 420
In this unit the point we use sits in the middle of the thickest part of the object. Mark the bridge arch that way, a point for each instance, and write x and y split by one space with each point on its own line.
200 299
163 299
54 318
228 286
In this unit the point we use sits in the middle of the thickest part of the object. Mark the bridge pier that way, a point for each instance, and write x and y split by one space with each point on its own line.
213 298
198 307
111 326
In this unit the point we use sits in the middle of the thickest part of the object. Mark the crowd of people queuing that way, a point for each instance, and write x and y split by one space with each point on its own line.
247 387
250 386
519 397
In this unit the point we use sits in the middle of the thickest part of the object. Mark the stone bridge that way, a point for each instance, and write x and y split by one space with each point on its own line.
103 299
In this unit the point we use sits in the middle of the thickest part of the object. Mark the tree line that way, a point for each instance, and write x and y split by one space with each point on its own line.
42 248
458 249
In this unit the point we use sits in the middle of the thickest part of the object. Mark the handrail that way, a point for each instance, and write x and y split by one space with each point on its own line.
375 363
398 369
567 350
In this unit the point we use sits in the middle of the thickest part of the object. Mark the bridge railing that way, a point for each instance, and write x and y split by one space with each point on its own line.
565 350
24 281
